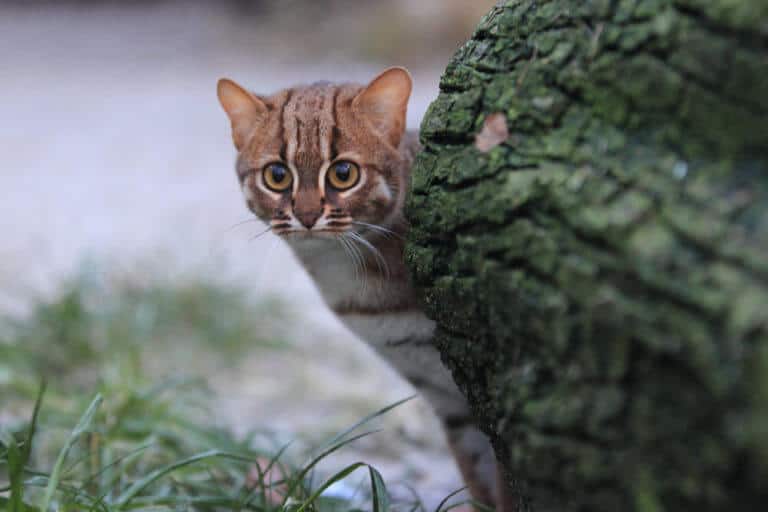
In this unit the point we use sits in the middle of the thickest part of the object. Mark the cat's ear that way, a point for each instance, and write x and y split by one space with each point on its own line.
245 110
384 102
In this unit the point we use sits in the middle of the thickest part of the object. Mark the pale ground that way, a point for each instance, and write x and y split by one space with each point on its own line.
112 146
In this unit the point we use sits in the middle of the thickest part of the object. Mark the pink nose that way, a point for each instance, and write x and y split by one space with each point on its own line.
308 217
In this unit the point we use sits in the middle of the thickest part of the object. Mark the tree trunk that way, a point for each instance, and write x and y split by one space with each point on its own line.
600 276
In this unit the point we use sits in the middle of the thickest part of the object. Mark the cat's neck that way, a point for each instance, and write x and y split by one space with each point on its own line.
352 276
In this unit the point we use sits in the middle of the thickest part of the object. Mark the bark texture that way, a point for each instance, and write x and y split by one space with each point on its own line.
600 278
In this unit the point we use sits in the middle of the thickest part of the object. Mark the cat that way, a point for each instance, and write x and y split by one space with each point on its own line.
327 167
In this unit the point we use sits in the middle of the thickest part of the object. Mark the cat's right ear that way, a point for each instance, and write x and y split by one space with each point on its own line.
245 110
384 103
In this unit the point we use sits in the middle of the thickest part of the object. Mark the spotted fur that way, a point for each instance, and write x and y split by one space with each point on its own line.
351 241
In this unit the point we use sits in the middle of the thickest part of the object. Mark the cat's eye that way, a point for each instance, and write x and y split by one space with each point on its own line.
277 177
343 175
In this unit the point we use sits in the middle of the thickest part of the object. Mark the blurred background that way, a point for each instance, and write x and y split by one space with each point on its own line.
122 249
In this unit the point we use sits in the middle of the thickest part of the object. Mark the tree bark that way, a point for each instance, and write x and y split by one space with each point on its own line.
600 277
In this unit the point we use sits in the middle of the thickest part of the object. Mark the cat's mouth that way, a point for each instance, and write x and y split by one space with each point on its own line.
311 233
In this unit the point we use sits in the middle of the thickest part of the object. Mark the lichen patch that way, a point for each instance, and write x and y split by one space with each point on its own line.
494 132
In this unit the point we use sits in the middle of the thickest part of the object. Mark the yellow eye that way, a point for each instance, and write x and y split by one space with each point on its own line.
343 175
277 177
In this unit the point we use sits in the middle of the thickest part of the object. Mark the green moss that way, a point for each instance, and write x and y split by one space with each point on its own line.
599 280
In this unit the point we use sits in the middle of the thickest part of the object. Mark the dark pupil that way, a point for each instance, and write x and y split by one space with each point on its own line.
342 172
278 173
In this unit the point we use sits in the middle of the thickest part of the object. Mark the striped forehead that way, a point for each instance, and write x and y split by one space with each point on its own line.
308 122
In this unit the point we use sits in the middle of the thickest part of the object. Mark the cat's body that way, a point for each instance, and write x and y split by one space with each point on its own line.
328 167
376 301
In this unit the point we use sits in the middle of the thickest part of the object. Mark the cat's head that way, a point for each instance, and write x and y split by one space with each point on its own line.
322 159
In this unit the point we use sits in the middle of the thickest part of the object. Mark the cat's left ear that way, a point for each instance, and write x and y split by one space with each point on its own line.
244 109
384 102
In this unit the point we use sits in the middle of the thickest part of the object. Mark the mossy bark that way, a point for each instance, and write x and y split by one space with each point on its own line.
600 279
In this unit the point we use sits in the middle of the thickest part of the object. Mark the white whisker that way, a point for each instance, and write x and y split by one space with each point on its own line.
242 222
360 259
348 252
261 233
380 261
356 271
379 229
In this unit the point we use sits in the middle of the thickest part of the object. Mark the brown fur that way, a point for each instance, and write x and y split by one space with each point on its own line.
307 129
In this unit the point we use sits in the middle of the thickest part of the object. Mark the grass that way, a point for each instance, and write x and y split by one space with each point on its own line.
101 329
146 441
112 432
140 453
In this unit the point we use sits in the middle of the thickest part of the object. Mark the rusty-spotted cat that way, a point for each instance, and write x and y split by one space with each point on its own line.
327 167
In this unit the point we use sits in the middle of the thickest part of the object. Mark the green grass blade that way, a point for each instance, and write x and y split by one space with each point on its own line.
475 506
5 504
33 423
19 458
137 487
445 500
82 426
341 475
151 502
124 458
341 435
379 490
15 471
251 495
418 505
300 477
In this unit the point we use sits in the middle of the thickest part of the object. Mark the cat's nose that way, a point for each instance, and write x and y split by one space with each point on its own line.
308 217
